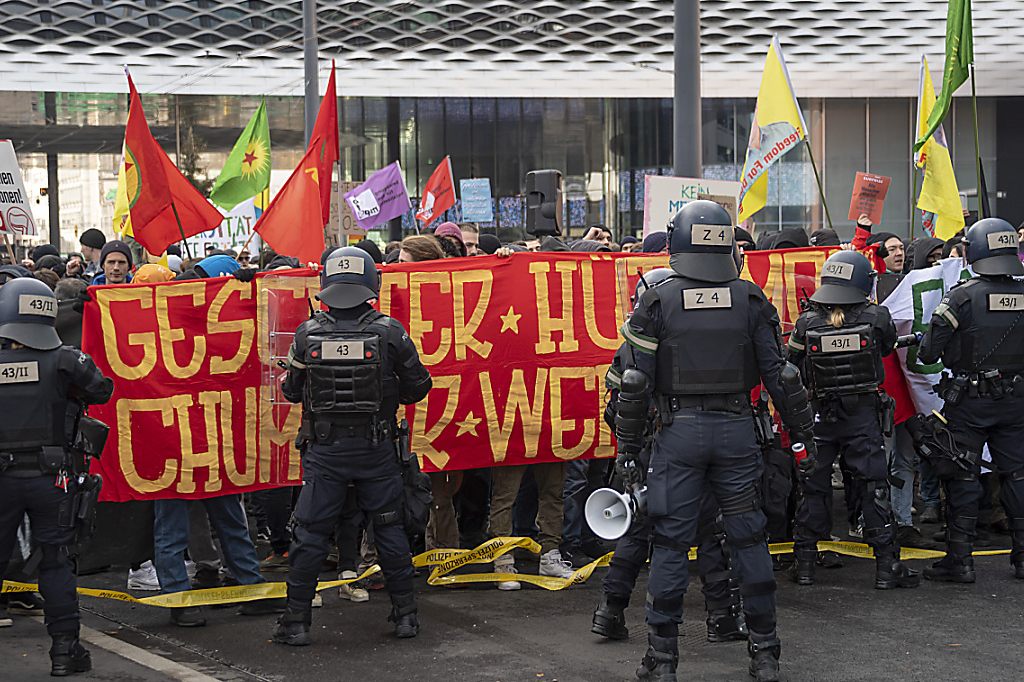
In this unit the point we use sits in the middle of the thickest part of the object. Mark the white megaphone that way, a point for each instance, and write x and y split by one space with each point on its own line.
610 513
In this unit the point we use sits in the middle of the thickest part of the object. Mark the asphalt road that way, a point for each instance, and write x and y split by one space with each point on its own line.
840 629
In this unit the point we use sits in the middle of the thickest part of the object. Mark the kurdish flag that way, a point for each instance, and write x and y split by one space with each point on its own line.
247 171
777 128
939 194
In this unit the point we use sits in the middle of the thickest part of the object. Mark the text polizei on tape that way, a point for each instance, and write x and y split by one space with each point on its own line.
711 235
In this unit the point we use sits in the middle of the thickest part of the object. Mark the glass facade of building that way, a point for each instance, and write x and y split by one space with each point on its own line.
604 148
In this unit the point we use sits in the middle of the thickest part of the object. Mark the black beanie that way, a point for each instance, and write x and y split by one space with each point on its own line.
92 238
370 247
489 243
44 250
118 246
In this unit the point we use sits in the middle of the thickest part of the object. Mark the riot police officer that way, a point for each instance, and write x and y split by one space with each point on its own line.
839 344
350 368
43 384
702 341
978 332
721 597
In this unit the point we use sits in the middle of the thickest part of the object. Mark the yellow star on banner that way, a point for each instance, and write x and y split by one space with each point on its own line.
468 425
510 320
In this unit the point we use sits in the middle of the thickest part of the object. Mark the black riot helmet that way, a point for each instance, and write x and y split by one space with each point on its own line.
649 279
28 311
349 278
702 243
992 248
846 278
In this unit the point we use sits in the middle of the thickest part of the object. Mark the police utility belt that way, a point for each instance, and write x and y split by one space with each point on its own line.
982 384
326 430
734 403
44 460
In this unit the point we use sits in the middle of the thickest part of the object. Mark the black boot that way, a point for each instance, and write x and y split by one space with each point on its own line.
662 657
1017 556
802 572
891 573
764 653
68 656
403 615
610 618
727 625
958 564
188 617
293 625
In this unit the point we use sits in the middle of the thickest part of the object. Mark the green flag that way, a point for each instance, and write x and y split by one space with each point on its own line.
247 170
959 56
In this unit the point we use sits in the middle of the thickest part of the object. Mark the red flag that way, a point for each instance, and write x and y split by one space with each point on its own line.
293 224
156 189
439 193
325 136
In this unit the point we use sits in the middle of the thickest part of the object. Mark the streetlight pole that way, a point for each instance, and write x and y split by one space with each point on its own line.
686 105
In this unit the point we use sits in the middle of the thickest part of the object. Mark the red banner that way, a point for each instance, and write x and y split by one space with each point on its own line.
517 347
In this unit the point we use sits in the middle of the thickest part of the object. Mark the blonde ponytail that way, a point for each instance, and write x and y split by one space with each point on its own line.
837 317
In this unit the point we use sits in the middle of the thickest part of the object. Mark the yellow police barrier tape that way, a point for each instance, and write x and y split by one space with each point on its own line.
444 561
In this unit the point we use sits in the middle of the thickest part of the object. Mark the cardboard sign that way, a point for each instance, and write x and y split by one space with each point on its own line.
869 196
665 195
15 213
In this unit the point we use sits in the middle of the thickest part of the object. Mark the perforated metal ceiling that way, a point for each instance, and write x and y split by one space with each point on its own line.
599 48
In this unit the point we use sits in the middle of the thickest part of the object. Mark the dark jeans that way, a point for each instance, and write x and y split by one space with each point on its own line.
42 501
698 453
170 539
582 477
277 506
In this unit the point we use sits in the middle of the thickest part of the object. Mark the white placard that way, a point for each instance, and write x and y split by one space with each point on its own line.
665 195
15 213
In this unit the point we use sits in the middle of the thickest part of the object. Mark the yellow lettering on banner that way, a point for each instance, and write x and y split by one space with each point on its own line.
190 459
170 335
774 285
227 438
420 327
546 324
624 267
422 438
245 327
517 402
792 305
559 426
284 437
144 340
590 312
604 434
464 329
389 281
126 457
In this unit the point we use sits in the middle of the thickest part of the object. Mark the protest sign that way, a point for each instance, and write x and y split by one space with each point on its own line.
381 198
477 205
517 347
15 213
665 195
868 198
342 228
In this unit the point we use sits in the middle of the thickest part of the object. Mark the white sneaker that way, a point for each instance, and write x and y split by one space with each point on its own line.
552 564
317 602
352 591
144 579
506 564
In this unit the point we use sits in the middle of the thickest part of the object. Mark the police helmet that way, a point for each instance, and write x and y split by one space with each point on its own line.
992 248
349 278
702 243
649 279
846 278
28 311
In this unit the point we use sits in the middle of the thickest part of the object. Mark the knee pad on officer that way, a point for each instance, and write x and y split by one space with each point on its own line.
671 605
746 500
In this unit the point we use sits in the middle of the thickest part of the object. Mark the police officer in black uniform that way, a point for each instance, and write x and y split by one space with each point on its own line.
350 368
43 385
721 598
839 344
978 333
702 342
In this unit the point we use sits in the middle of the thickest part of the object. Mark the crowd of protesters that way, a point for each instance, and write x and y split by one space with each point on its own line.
235 540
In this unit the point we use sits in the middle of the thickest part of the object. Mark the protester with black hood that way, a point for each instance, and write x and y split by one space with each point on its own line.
745 240
825 237
370 247
489 243
923 252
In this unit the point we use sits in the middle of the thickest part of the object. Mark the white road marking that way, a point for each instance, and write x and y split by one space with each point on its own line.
144 658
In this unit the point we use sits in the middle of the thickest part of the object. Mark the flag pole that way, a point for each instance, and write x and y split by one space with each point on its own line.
817 178
10 251
913 194
181 231
977 146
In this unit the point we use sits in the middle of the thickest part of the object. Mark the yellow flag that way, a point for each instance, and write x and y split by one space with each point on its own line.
122 208
939 194
777 128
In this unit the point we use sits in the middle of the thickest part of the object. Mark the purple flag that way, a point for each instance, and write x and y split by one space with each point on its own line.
382 197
